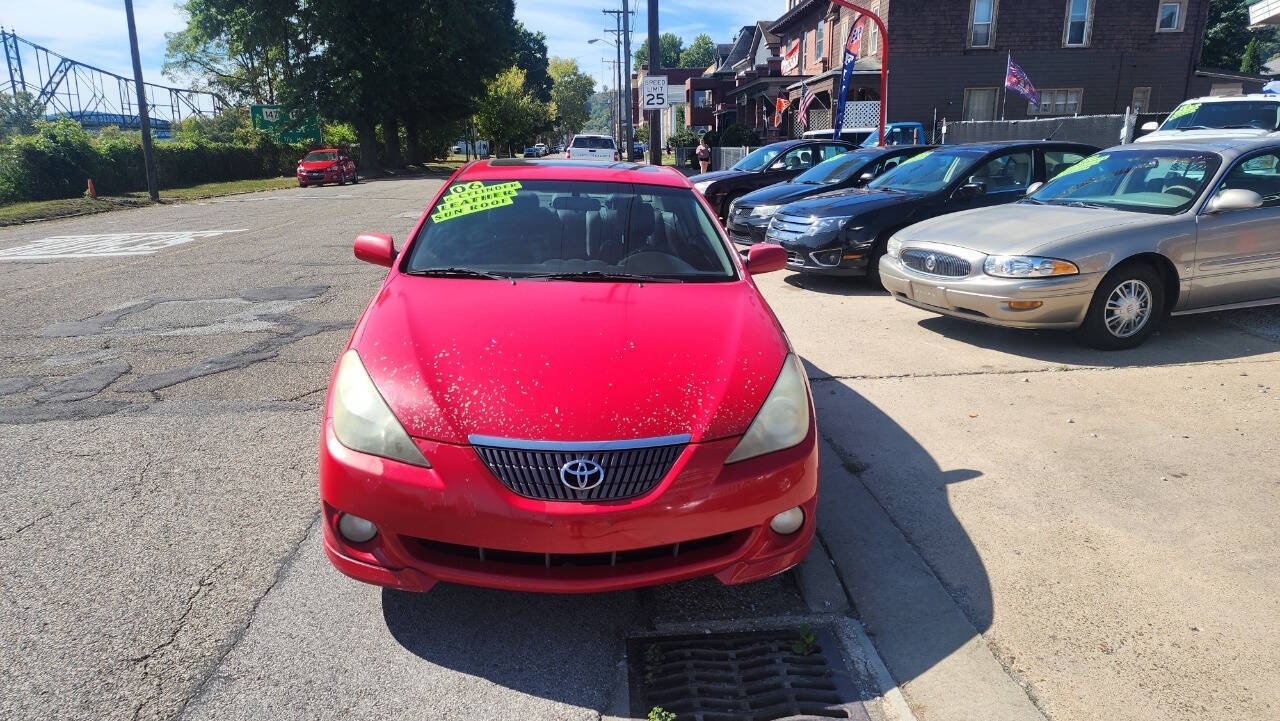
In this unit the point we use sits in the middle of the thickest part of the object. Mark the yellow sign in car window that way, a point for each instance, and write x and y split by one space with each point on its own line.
474 197
1184 109
1085 164
914 158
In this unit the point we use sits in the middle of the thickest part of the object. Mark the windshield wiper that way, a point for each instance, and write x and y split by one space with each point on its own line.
1194 127
456 273
1032 201
1083 204
604 277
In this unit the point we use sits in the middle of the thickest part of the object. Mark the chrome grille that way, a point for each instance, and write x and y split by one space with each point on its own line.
788 227
944 264
794 258
532 468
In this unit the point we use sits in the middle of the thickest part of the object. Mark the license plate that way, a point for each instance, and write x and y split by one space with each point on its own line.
929 295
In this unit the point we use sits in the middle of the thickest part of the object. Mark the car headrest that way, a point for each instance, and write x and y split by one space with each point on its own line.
576 204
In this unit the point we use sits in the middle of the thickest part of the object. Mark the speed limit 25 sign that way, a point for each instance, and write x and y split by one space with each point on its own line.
653 92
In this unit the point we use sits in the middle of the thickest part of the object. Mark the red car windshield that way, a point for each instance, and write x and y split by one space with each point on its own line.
319 157
572 230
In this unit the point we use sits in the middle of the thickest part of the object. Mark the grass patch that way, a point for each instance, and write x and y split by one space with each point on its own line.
37 210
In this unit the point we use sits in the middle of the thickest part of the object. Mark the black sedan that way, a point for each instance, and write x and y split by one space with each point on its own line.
845 233
765 166
749 215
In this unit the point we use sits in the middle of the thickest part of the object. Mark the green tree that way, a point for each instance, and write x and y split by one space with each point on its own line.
1252 60
700 53
507 113
670 46
529 53
601 114
571 89
1227 35
19 113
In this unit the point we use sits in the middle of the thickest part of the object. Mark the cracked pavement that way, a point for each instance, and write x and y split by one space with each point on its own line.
1103 527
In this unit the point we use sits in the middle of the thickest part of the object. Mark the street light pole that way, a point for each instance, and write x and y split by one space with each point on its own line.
655 62
148 159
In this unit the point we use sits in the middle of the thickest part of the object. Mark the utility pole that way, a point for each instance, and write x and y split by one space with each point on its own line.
655 63
148 159
626 78
615 112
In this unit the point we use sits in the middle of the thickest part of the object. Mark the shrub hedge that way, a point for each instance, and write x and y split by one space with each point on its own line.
58 159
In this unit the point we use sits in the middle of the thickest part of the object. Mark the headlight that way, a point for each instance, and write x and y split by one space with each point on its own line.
893 247
702 186
361 419
764 211
783 420
826 225
1027 266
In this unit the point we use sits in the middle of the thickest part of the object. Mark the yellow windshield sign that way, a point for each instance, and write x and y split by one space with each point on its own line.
1184 109
1085 164
473 197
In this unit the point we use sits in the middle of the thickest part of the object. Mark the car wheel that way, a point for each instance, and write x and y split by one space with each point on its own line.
302 185
355 177
874 255
1125 310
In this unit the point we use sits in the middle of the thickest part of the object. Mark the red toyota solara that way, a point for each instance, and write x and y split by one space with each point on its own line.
567 382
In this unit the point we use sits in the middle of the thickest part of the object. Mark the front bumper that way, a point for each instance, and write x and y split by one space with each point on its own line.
985 299
317 177
433 523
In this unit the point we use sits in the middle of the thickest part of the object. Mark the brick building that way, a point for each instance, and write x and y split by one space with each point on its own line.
948 57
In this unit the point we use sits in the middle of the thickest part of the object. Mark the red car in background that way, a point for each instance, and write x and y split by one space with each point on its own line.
567 382
326 165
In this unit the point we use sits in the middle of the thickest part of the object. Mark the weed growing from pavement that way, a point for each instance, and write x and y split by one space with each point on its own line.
657 713
806 644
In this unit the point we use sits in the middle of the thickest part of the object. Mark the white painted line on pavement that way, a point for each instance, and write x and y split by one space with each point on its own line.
106 244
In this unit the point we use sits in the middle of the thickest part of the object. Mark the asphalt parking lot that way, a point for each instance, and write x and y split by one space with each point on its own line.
1027 529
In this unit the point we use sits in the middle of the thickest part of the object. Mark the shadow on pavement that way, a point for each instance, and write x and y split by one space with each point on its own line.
1183 339
889 558
833 285
559 647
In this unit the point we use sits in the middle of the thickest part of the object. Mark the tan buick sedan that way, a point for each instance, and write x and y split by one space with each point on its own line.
1110 246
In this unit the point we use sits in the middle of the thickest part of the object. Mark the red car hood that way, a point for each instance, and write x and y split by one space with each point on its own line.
317 164
570 361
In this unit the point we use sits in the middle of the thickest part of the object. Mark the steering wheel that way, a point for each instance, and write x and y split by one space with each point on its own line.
1183 190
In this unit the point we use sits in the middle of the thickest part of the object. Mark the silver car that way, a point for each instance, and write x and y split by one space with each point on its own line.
1108 247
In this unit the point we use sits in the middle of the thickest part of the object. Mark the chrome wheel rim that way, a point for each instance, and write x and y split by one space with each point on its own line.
1128 308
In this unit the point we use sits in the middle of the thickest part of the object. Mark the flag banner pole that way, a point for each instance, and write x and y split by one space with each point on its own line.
1004 87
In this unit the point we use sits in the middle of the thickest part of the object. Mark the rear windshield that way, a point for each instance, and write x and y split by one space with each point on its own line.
1242 114
316 157
593 142
570 230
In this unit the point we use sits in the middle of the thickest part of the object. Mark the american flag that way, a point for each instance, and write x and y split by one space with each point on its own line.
1015 79
806 99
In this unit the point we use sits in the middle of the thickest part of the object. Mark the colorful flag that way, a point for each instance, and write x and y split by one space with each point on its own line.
806 99
852 48
1015 79
780 106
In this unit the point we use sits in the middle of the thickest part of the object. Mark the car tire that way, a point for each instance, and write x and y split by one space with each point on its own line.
302 185
1130 295
355 177
878 250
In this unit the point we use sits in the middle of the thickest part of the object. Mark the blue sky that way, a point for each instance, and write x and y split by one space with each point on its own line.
94 31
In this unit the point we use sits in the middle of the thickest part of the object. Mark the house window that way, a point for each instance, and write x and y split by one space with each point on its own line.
803 63
1079 23
818 40
982 16
1141 100
872 39
980 103
1057 101
1170 18
844 36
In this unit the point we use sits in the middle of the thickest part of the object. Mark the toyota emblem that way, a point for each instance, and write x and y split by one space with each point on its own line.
581 474
931 262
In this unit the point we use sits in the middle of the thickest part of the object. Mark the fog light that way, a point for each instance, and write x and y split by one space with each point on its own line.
788 522
355 528
1025 304
829 258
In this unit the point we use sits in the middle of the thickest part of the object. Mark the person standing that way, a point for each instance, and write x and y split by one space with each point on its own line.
704 155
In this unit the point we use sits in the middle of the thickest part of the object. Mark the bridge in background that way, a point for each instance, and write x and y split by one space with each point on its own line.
70 88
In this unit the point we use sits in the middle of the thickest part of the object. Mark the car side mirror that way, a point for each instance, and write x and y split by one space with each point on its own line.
777 165
972 189
1150 125
1234 199
765 258
376 248
1034 187
866 178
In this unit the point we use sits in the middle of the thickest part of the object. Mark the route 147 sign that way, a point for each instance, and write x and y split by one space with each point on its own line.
653 92
286 127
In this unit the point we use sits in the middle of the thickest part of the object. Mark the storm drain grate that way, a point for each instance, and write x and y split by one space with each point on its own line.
762 676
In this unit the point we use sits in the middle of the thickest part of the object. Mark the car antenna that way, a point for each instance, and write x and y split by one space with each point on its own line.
1055 130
